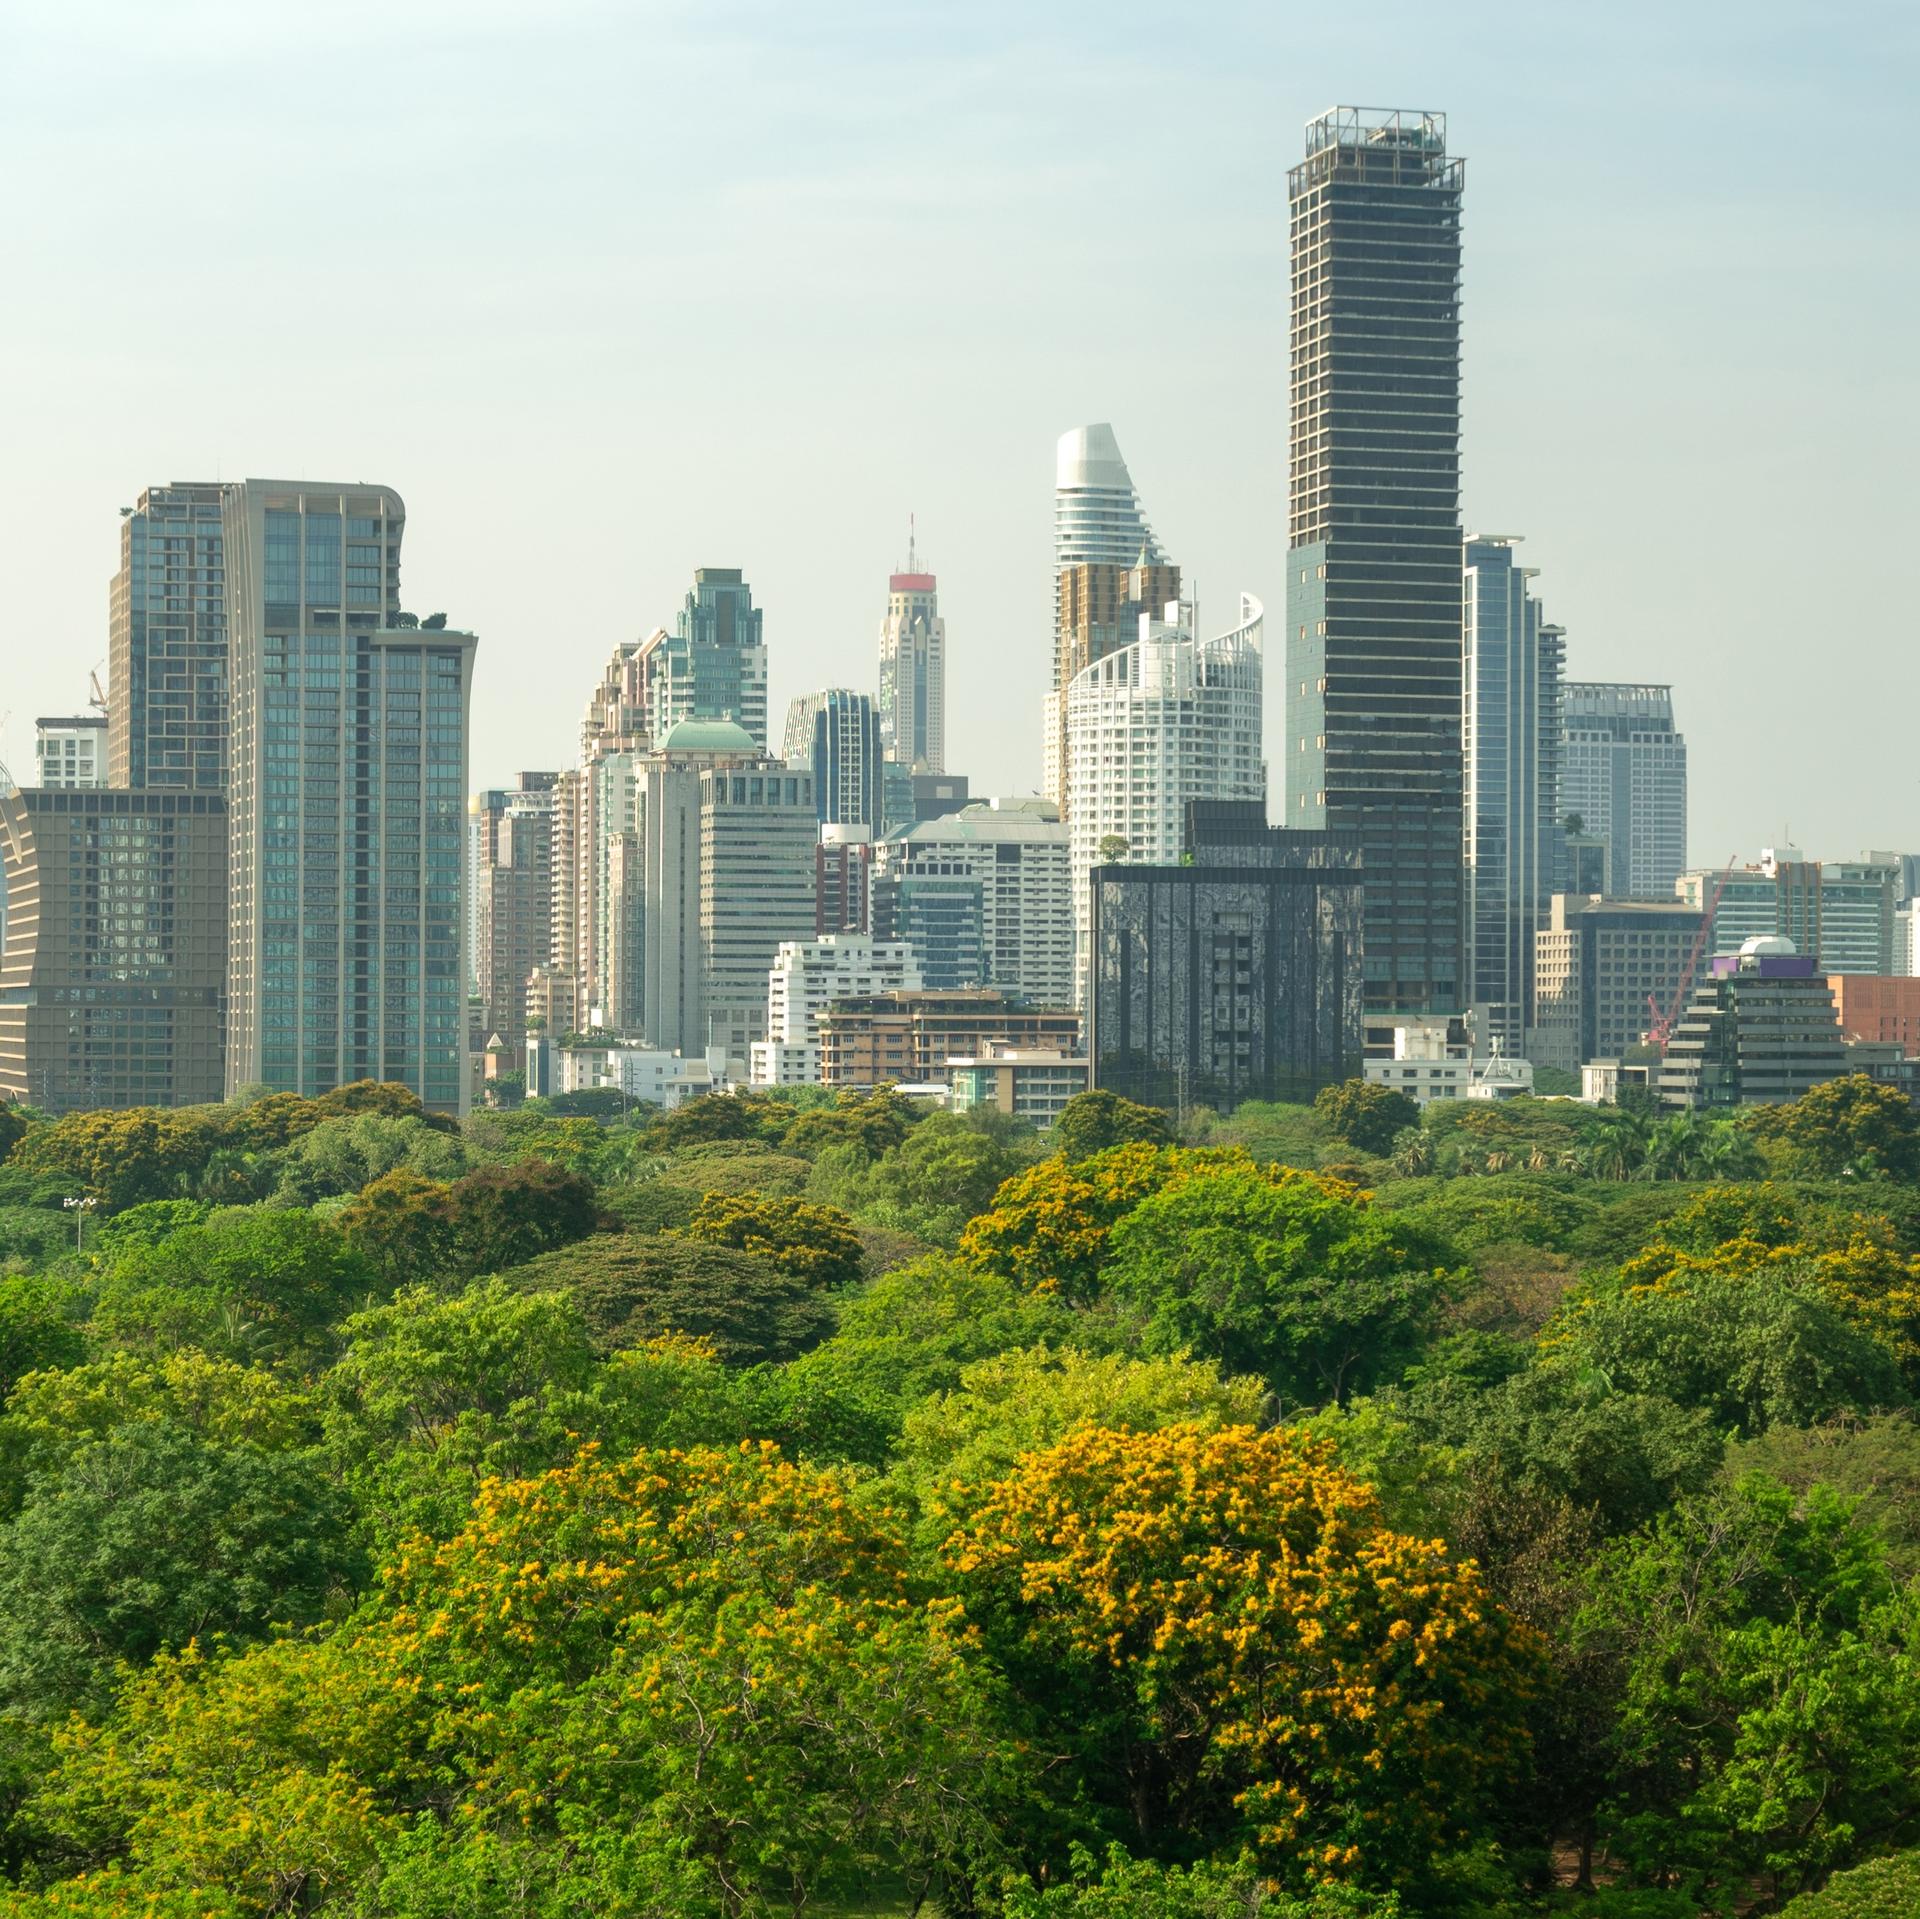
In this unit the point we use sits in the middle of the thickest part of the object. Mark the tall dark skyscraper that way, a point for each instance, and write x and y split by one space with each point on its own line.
1374 552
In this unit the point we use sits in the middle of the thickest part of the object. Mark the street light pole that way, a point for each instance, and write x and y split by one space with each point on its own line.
80 1208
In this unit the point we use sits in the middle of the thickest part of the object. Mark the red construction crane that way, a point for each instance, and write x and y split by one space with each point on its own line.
1664 1022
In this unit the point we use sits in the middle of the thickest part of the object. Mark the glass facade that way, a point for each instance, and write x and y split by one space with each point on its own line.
1623 770
349 870
1511 737
1234 977
1374 560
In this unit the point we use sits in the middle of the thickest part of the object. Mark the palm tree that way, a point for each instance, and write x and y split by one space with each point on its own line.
1413 1152
1617 1147
1677 1147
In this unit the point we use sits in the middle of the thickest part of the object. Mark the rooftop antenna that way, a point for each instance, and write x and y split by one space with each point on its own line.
912 567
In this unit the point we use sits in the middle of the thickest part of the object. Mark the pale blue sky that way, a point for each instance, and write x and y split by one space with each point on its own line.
612 291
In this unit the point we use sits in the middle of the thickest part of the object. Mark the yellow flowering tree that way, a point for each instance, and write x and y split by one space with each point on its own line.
1231 1648
1049 1226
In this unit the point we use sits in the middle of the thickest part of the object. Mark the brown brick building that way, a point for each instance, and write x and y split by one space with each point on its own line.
1879 1006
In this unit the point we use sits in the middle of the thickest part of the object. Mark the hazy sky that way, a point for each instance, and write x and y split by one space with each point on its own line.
610 291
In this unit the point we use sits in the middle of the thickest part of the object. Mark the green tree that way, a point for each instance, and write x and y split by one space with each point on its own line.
816 1244
931 1184
1119 1887
1091 1122
149 1538
13 1128
1365 1115
347 1152
1769 1685
1750 1349
633 1290
1852 1127
1282 1275
875 1122
121 1157
1881 1889
39 1327
1025 1401
252 1283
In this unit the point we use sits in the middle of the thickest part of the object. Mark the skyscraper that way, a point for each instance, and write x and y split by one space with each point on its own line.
713 666
167 644
1511 744
1097 517
913 671
1170 719
348 775
835 735
513 899
1100 607
1374 554
1623 771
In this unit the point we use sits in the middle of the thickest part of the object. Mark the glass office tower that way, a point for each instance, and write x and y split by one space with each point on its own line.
1374 558
1511 726
713 665
348 773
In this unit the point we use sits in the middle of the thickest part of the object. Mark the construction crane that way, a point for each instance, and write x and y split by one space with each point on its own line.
1664 1022
97 694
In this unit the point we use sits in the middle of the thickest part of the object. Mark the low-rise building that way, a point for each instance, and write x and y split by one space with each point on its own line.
1029 1085
909 1036
1429 1062
1871 1007
807 977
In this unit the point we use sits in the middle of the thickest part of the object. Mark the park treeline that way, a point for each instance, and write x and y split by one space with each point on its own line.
811 1505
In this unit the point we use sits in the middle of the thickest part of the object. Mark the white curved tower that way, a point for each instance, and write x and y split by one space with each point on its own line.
1169 719
1097 520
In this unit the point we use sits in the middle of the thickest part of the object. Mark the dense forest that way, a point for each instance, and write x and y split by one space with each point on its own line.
812 1505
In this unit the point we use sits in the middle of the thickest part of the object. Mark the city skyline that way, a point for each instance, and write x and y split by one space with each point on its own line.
1624 292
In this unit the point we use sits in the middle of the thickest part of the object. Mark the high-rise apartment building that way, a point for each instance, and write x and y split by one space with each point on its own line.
913 671
70 751
1511 745
1097 519
512 900
1014 855
1623 773
668 821
1168 720
167 643
1374 551
713 666
113 976
1100 609
835 735
1231 973
347 767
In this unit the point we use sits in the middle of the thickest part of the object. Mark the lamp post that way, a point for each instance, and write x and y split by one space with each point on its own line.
79 1208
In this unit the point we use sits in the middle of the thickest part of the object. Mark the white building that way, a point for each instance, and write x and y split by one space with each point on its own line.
1426 1064
1017 851
806 978
71 752
913 671
1169 719
1097 516
645 1074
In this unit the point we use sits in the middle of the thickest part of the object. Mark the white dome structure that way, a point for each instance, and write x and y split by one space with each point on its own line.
1767 946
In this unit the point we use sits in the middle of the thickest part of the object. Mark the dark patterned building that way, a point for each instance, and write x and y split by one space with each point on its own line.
1235 975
